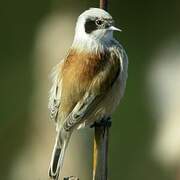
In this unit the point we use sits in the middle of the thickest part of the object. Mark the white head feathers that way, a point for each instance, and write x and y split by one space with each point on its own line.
94 29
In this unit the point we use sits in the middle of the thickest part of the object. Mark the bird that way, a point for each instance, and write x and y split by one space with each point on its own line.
88 84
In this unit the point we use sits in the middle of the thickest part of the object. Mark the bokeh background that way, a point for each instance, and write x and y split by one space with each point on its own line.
145 136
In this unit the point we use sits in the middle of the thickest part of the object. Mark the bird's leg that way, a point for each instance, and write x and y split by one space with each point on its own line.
104 122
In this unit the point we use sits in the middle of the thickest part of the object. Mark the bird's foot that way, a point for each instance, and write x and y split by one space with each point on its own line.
105 122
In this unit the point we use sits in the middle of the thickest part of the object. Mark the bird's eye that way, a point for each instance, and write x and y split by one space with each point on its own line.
99 22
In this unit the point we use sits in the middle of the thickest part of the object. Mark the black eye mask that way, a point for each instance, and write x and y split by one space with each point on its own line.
94 24
90 25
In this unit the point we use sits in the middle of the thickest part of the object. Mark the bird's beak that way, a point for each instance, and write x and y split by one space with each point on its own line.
112 28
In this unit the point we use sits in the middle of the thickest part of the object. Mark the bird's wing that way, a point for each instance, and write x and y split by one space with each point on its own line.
100 85
55 92
82 108
123 58
124 62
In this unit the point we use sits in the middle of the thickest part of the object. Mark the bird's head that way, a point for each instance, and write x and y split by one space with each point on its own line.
95 24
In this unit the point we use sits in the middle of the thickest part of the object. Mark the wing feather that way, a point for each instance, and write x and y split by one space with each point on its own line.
123 58
55 92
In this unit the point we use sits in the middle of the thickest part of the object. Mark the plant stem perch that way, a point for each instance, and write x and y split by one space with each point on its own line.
100 158
103 4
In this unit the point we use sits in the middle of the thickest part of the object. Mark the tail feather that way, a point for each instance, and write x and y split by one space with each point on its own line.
56 159
58 155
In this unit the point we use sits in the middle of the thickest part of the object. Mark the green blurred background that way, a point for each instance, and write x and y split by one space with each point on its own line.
145 24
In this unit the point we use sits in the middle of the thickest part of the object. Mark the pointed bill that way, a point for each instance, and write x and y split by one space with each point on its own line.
112 28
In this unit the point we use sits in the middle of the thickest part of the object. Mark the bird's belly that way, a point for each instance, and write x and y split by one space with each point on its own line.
106 107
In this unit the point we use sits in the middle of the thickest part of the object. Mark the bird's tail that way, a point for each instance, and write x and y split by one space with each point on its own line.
58 153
